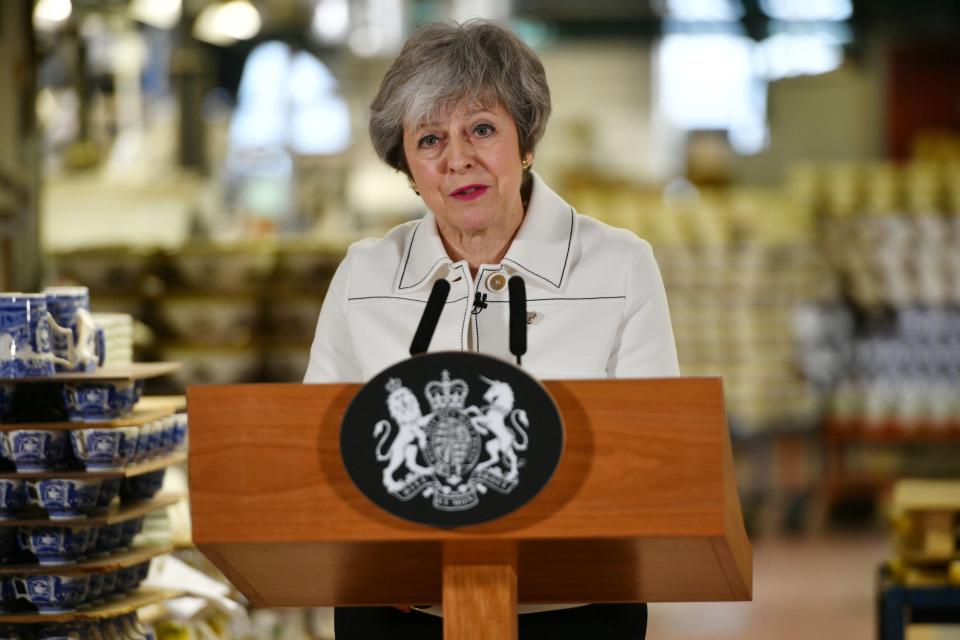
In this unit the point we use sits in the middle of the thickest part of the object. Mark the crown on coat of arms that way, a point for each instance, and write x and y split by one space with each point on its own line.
446 393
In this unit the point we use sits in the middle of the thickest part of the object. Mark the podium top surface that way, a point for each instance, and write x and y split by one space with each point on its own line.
640 459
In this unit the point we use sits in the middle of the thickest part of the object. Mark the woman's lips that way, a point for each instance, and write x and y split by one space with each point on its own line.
469 192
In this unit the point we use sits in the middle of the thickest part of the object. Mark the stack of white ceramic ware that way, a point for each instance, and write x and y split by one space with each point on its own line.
118 337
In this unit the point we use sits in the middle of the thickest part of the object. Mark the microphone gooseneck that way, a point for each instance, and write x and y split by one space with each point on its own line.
430 317
518 317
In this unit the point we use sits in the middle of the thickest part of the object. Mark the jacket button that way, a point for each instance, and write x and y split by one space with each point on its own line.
496 281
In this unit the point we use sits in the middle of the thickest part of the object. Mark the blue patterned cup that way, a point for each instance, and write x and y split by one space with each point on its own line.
64 498
8 543
25 349
143 570
142 487
128 579
34 449
131 528
52 593
109 488
155 438
109 537
74 338
95 587
99 401
104 449
6 400
60 631
14 632
13 497
56 545
91 545
109 584
148 443
168 427
8 597
179 430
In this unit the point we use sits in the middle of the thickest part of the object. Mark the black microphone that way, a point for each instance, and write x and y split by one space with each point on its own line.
518 317
430 317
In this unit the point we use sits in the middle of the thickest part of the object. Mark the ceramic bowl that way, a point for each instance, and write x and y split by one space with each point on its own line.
8 544
99 401
8 597
109 584
104 449
207 268
13 497
309 267
104 269
131 528
59 631
34 449
154 438
168 435
127 579
95 587
64 498
294 316
211 320
179 431
109 488
6 400
108 539
146 442
142 487
52 593
14 632
56 545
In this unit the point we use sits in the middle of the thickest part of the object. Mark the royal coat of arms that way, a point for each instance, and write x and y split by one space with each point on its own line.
453 454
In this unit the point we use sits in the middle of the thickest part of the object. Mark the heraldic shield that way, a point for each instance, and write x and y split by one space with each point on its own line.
451 438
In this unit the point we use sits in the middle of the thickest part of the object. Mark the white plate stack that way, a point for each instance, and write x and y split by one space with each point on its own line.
118 337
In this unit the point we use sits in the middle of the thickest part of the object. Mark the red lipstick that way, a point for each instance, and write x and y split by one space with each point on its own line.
469 192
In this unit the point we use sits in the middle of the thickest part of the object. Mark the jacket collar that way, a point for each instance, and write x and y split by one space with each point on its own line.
542 248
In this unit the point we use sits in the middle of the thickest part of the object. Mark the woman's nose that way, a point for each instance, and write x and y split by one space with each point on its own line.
461 157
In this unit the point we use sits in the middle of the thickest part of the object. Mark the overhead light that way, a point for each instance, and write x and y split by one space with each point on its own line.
808 10
50 14
227 22
704 10
331 19
162 14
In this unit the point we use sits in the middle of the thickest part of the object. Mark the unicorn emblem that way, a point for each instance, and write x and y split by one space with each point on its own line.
503 446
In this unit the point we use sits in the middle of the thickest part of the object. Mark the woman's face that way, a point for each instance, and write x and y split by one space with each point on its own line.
468 170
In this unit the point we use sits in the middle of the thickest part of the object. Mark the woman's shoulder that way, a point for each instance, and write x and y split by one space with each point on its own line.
599 237
388 249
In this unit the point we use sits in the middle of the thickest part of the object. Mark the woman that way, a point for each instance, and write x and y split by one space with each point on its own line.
460 112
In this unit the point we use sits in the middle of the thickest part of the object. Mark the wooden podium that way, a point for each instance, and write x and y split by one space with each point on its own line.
643 508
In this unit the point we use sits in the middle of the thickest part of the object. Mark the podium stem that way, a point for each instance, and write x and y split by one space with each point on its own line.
479 593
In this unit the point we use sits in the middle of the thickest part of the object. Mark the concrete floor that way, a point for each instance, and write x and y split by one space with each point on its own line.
804 588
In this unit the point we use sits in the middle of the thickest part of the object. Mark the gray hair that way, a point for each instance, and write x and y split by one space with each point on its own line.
444 64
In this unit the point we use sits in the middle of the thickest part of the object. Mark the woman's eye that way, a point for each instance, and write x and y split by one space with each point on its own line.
429 140
483 130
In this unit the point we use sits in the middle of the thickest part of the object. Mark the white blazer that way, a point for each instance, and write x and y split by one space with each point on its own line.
595 300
